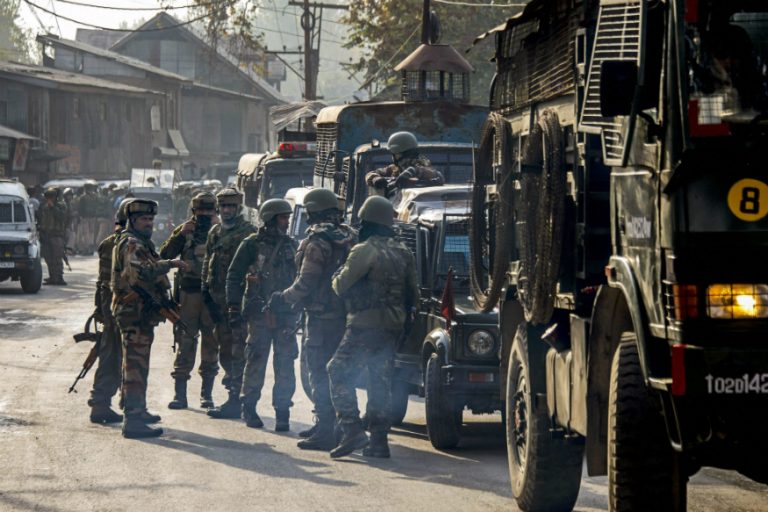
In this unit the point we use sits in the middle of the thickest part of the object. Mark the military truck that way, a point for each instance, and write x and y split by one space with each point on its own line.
450 354
621 227
270 175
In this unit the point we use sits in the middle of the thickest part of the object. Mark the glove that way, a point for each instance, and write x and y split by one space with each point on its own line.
379 182
234 317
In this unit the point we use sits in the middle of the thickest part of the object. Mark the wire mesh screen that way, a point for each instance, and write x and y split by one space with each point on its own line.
326 143
456 246
431 85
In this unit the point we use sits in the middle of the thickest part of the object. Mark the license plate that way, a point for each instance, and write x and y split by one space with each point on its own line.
7 264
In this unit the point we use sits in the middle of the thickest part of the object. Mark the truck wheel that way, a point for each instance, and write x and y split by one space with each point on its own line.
443 414
545 471
400 393
640 458
32 280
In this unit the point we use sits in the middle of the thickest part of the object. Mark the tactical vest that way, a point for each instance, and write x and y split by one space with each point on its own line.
384 285
193 253
269 273
53 219
123 278
221 252
322 301
106 247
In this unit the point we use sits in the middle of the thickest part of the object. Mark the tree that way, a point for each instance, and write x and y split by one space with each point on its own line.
16 43
388 30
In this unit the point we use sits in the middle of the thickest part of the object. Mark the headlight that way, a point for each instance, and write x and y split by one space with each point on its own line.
19 250
734 301
480 342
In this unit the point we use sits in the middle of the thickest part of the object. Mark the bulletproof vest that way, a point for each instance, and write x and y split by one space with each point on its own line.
105 250
323 300
270 273
222 251
88 206
384 284
53 219
194 254
132 246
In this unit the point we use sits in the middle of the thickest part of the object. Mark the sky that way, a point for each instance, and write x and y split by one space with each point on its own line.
279 21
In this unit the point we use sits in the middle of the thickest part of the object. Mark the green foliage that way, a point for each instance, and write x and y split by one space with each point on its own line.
382 28
16 43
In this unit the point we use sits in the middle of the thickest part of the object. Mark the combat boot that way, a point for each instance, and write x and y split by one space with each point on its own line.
228 410
308 432
353 438
206 400
322 440
148 417
282 420
135 428
378 447
103 413
180 395
250 416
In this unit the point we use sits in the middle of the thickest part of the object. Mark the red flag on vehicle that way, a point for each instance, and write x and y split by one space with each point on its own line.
447 305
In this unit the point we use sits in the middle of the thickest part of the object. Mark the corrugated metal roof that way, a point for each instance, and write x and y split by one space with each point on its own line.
10 133
67 79
284 115
435 57
106 54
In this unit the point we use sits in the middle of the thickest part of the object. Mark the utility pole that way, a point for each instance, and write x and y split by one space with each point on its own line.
311 23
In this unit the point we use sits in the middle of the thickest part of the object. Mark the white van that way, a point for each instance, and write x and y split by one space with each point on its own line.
19 243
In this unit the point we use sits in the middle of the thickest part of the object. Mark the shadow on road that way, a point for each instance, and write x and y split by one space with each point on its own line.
254 457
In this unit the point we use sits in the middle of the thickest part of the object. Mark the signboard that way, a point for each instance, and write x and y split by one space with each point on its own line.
152 178
20 155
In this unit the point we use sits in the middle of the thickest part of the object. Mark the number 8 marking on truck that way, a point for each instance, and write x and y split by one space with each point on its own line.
748 199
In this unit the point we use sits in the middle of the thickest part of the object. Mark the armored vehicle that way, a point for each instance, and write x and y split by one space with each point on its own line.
19 243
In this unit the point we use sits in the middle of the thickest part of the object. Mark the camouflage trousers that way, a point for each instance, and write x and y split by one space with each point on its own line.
195 314
52 251
137 344
106 380
360 348
257 347
323 338
231 347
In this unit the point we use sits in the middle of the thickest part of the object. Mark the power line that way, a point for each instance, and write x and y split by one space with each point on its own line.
57 19
469 4
384 66
115 8
181 24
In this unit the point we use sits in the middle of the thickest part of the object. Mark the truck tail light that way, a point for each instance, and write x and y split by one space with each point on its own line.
678 370
705 117
686 301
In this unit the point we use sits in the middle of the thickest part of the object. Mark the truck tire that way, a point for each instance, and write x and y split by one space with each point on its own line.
444 415
400 393
642 471
545 471
32 280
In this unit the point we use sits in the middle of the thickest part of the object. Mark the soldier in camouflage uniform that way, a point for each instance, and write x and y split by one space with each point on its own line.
136 265
106 380
264 263
410 169
223 241
379 286
188 242
52 225
324 250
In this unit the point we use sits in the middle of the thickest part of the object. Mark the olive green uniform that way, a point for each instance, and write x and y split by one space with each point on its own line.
422 173
379 285
52 224
320 254
106 380
264 263
87 230
136 263
220 250
190 247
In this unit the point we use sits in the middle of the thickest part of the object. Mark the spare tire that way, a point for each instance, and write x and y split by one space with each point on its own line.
492 224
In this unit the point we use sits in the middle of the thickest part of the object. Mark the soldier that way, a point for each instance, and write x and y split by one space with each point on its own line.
106 381
379 287
409 169
52 224
87 222
69 202
137 266
223 241
264 263
188 242
324 250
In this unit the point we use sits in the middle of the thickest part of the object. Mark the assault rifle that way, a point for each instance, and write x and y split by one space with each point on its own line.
168 309
87 335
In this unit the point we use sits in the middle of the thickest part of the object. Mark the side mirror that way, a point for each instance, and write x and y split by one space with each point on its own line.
618 82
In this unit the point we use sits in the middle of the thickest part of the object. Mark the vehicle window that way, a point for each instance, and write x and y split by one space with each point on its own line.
300 227
277 184
456 255
12 210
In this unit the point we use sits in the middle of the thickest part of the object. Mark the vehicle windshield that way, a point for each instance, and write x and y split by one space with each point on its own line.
299 226
455 164
13 210
454 254
728 61
277 184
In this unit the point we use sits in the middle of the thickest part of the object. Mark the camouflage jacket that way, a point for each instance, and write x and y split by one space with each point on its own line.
421 172
190 247
320 254
52 220
103 291
255 273
219 252
136 263
378 284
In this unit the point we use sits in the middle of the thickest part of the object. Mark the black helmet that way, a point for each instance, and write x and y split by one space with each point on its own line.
141 207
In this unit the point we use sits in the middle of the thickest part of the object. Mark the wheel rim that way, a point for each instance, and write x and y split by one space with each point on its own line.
519 421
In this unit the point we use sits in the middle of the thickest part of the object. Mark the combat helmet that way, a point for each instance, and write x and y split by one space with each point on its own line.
51 192
68 192
121 216
272 208
400 142
141 207
378 210
320 199
229 195
203 201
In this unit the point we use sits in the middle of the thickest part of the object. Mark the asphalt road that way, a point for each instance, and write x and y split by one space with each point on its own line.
52 459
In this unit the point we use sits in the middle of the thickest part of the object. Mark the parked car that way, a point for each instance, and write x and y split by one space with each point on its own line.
449 357
19 243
